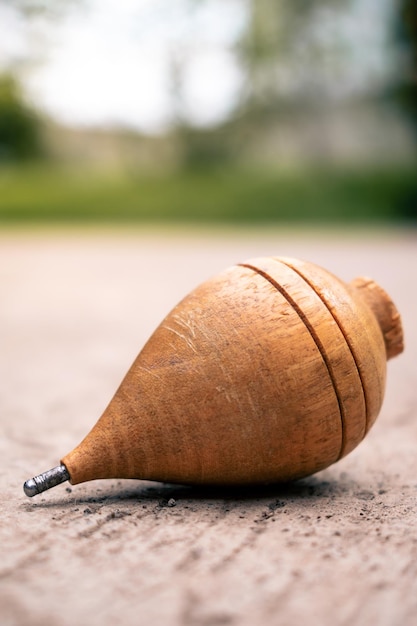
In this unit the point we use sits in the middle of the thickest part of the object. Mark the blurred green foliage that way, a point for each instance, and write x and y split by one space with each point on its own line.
231 195
406 35
20 127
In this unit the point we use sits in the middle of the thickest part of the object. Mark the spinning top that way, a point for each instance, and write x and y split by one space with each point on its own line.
270 371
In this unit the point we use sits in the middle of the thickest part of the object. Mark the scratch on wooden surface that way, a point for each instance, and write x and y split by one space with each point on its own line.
151 371
187 339
188 323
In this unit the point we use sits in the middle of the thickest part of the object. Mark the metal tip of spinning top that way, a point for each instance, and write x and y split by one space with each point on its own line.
46 480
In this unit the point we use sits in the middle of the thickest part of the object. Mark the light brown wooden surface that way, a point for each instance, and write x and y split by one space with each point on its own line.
338 548
252 378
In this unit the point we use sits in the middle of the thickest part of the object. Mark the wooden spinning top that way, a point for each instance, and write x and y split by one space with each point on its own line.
270 371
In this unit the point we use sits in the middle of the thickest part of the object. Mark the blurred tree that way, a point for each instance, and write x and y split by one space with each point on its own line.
284 62
19 124
278 48
405 90
406 34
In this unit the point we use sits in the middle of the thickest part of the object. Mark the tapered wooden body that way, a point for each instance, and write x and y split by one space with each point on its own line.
270 371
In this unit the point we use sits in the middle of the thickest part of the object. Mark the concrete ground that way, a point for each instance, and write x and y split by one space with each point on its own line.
339 548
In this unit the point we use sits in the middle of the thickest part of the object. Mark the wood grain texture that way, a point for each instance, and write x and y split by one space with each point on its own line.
270 371
351 310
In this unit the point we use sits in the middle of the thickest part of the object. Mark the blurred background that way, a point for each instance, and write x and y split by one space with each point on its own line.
208 111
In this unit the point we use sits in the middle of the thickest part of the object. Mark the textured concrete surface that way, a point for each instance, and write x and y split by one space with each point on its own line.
338 548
